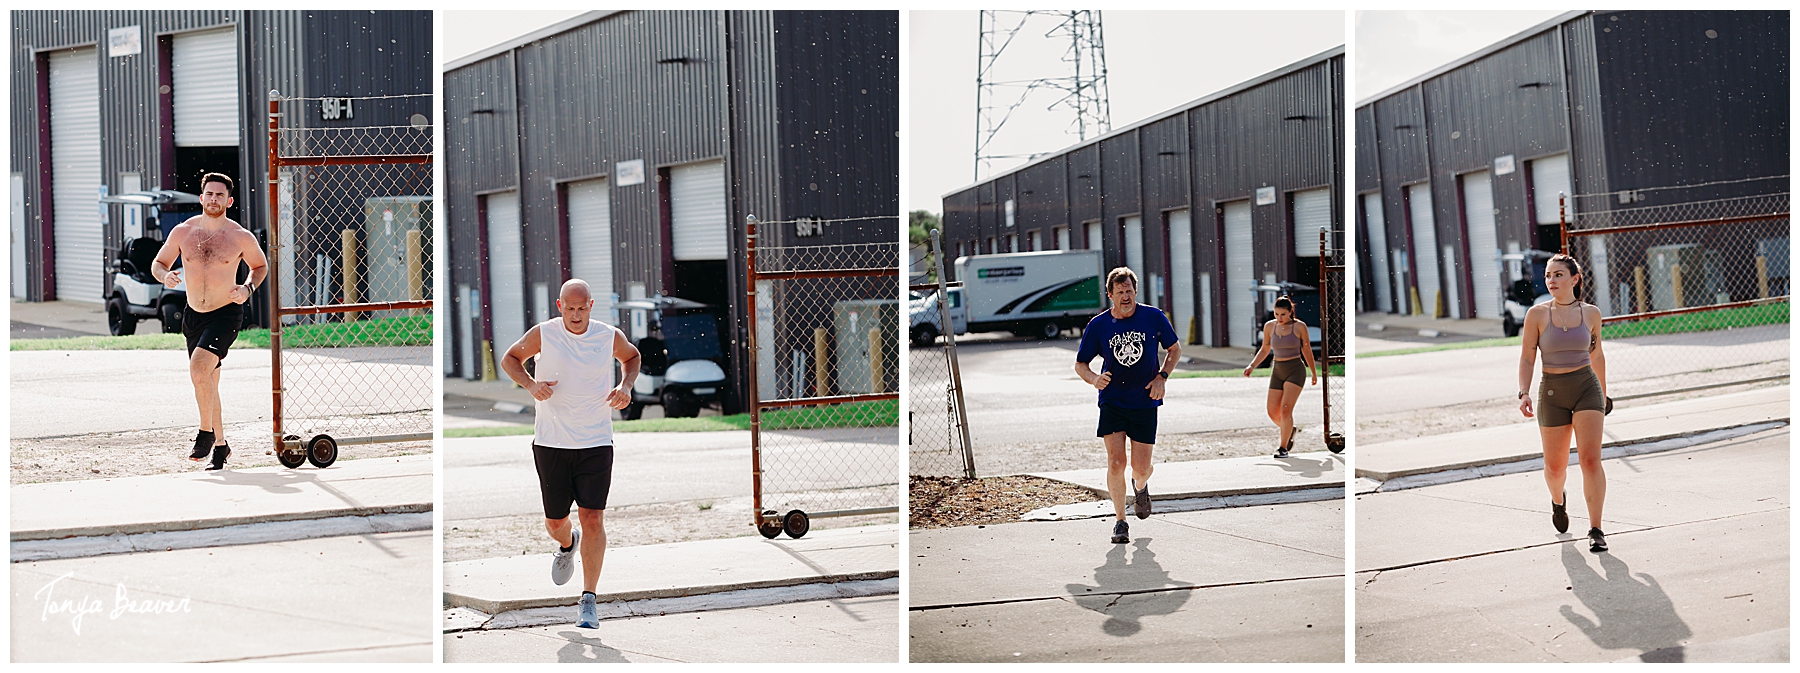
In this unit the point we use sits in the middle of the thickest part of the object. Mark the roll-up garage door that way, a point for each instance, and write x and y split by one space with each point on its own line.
206 88
1424 245
1240 273
1549 177
1181 272
506 271
75 175
1312 211
590 241
1134 252
1484 243
697 205
1095 239
1378 250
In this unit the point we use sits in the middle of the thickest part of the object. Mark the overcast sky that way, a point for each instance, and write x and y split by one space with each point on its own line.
1395 46
467 32
1156 61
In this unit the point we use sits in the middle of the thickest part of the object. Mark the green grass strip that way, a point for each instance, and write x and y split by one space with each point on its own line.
1478 343
879 414
401 331
1703 321
1336 370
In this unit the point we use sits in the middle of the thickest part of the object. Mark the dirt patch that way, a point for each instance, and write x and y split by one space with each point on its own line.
140 453
943 502
626 526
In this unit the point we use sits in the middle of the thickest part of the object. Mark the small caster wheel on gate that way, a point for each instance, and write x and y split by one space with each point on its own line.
322 451
795 524
1335 442
290 458
768 525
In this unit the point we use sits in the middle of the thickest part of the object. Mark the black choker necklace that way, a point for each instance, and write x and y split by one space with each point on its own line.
1572 303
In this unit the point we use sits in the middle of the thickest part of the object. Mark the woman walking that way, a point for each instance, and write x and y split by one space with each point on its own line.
1288 337
1572 393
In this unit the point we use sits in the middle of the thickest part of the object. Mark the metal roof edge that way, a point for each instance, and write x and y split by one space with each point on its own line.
559 27
1240 87
1477 55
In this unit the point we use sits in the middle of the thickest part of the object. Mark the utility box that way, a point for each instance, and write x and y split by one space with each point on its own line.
857 353
388 277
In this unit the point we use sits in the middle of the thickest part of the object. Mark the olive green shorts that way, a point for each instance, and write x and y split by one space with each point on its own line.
1561 395
1287 371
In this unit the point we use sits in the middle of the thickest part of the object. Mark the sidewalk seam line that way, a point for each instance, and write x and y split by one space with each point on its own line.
1129 592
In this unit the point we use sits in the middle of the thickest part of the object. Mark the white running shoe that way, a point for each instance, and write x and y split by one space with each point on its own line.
562 563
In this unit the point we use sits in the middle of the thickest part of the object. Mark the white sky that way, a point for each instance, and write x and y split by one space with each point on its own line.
466 32
1156 61
1395 46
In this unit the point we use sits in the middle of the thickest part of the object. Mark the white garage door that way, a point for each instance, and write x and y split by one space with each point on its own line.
697 204
206 88
1134 252
1549 177
1484 242
1095 239
18 236
75 175
1312 211
1378 250
1181 271
506 271
1424 245
590 241
1240 274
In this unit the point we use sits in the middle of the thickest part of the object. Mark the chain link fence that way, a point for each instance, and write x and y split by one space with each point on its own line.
1333 291
351 274
937 422
825 376
1694 293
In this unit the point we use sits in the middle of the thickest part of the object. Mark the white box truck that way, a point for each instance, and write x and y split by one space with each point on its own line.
1027 293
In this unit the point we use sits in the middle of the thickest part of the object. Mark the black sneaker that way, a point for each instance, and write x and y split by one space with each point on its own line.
1282 451
1559 515
1596 540
219 454
203 445
1121 532
1141 504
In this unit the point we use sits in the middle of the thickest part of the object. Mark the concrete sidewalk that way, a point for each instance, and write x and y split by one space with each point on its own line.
1224 477
1631 423
198 500
63 318
505 584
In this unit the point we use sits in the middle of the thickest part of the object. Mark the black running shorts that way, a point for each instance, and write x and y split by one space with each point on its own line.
580 476
213 330
1137 424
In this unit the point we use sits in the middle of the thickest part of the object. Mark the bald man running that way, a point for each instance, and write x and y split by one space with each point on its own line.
573 446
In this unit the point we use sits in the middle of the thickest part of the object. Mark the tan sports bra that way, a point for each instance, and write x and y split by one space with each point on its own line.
1565 346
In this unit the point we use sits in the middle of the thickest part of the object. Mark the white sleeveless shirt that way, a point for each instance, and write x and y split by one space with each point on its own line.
576 416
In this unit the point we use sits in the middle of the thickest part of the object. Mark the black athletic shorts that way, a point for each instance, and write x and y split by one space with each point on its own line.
1137 424
214 330
580 476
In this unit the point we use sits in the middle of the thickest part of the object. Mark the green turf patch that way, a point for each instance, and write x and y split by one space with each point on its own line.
1479 343
402 331
1704 321
1263 373
883 413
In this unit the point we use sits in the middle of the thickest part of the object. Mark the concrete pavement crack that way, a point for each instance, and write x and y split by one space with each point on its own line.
1132 592
1416 564
1251 539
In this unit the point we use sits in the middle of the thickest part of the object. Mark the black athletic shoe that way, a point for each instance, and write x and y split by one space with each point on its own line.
219 454
1596 540
1559 517
1281 451
1121 532
203 443
1141 504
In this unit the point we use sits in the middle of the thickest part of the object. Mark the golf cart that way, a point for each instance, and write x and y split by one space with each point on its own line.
1306 309
135 294
683 361
1525 291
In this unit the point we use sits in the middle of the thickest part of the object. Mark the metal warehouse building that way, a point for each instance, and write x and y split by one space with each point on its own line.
627 149
119 101
1203 202
1467 161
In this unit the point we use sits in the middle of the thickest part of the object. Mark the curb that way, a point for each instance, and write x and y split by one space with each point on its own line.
461 619
497 607
226 536
216 522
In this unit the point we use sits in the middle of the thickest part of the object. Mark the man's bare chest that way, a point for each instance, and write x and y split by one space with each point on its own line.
214 250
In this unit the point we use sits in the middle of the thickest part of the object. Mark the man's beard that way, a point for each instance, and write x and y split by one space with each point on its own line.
213 211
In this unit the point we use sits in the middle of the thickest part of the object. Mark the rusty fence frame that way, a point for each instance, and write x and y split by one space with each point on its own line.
1334 440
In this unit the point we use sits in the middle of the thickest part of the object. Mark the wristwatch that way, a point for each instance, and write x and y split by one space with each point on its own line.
1163 374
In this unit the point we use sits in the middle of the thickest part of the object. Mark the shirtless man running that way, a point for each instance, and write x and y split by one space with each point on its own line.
210 246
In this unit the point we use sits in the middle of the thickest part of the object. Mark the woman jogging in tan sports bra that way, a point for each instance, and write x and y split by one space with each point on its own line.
1572 394
1288 337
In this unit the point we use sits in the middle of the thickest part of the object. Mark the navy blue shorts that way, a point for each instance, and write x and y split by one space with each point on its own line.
1137 424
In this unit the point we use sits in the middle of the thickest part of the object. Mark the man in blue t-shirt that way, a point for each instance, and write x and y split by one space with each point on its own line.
1130 382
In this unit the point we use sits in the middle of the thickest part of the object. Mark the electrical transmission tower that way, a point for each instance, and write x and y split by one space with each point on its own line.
1082 88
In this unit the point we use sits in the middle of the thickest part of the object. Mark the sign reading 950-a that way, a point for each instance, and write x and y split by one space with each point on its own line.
337 108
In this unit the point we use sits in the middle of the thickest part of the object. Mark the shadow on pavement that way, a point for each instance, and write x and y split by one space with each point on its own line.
1628 613
1305 468
583 648
1132 568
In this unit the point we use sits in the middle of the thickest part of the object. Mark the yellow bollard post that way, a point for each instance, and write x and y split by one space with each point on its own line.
1680 290
1637 286
487 361
821 370
350 276
1417 306
415 268
876 380
1762 277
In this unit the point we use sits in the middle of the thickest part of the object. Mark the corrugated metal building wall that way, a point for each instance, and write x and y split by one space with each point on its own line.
355 52
1282 130
1633 99
801 108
